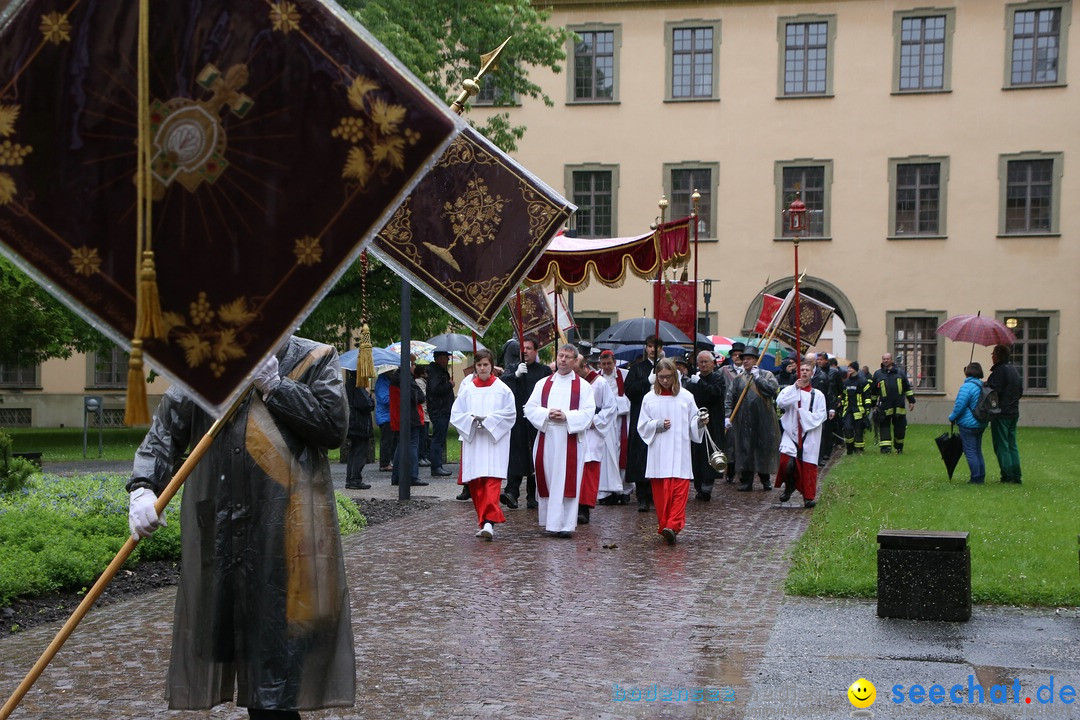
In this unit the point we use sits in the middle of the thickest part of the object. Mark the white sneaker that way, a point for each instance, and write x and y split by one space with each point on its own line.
480 532
487 532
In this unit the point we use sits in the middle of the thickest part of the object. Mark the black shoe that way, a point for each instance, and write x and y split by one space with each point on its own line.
703 497
745 487
809 504
642 506
669 536
386 468
886 451
357 486
418 483
533 505
730 480
766 485
564 534
508 501
393 482
785 496
464 494
583 517
441 473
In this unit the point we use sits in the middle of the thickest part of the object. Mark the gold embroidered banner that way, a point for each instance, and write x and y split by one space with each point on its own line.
283 137
814 315
472 229
536 318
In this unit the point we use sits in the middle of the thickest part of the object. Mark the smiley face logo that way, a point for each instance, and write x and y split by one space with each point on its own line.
862 693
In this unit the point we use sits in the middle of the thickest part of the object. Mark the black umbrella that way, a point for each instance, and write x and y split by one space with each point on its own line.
951 448
454 341
635 330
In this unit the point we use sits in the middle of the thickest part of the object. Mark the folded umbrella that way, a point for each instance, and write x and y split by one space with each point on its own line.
951 449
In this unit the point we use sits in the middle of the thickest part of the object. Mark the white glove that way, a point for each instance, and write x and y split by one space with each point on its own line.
652 378
755 370
703 417
727 423
832 414
694 378
522 368
660 426
143 520
266 378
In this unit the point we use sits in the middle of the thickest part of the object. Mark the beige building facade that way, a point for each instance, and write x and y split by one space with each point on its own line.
930 142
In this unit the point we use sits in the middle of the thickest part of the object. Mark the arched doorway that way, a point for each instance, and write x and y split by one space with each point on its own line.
847 328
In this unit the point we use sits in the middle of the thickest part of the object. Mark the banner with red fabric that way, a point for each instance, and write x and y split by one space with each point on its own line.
674 303
814 315
770 304
536 318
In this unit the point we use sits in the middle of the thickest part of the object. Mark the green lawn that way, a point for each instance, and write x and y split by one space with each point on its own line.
1023 539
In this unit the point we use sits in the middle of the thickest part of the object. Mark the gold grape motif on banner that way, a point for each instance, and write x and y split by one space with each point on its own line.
475 218
377 137
210 336
11 153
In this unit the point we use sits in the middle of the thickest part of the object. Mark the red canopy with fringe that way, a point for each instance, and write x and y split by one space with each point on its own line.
572 262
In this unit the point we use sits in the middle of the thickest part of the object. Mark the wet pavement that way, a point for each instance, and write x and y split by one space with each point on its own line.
606 624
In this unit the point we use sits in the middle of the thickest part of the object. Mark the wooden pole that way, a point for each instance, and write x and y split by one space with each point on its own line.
117 562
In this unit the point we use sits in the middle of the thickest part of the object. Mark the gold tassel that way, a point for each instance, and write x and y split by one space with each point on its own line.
148 315
365 364
135 410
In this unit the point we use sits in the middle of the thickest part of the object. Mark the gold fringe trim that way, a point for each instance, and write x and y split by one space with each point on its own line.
135 410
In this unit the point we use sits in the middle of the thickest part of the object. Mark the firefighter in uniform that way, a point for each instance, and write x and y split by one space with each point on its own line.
855 398
892 390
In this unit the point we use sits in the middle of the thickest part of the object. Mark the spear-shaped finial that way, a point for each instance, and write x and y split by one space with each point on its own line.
471 86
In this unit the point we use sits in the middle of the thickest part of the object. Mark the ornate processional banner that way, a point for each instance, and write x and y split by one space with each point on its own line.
536 317
283 137
472 229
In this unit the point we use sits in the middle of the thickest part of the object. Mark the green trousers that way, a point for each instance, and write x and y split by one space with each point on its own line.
1003 433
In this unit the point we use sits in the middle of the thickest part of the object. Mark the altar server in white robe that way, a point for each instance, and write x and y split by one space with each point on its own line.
561 409
613 483
805 411
669 421
483 414
603 419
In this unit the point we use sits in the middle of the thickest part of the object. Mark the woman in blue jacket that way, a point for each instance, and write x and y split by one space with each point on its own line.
971 430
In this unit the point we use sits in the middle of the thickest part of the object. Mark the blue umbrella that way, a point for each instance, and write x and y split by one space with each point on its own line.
381 356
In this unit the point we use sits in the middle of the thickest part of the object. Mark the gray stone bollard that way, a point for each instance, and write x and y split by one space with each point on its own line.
924 575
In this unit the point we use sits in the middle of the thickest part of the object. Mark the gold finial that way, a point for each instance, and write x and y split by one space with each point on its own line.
471 86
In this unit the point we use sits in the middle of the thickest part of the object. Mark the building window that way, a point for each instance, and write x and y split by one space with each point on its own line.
1035 348
588 324
595 64
918 193
1030 193
692 59
110 369
916 347
680 182
491 94
806 43
922 50
19 376
16 417
811 179
1036 44
593 190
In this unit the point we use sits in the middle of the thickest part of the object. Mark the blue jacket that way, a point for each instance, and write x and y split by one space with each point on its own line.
382 399
966 400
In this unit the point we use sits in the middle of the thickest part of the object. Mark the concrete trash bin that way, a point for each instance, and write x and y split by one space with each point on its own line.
924 575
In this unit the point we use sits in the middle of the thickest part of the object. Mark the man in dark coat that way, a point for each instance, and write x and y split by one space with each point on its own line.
639 383
752 424
361 403
440 398
521 380
707 385
1007 383
262 608
825 380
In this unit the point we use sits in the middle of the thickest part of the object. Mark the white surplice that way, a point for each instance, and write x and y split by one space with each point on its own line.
485 451
806 411
558 513
669 450
613 477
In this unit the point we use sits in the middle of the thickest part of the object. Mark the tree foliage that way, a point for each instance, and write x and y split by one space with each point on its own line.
441 42
35 326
